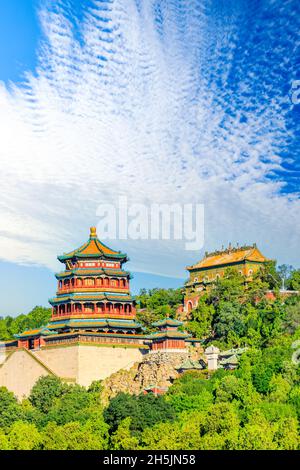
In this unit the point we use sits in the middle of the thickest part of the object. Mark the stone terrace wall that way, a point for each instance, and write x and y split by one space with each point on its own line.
20 371
75 363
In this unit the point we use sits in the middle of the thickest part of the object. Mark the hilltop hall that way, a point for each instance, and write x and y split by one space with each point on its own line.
93 331
247 260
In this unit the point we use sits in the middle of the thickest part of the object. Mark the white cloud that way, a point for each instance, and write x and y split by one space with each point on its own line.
143 108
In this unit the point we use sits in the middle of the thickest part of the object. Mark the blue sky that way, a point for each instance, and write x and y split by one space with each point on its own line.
169 102
19 35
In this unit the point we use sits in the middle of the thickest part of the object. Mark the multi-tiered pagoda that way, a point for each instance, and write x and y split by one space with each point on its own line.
92 298
93 331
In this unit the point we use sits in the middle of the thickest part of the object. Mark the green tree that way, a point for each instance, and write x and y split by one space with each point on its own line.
54 437
157 303
191 383
221 417
279 389
190 392
220 428
286 434
257 435
96 387
229 288
159 297
45 391
294 280
284 271
31 413
37 317
234 389
183 402
96 427
120 407
76 404
122 438
291 320
4 333
4 443
92 435
229 322
200 324
162 436
269 274
10 409
23 436
71 436
294 399
261 434
144 411
274 411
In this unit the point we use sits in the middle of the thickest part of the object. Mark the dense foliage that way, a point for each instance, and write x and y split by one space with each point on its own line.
9 326
157 303
235 312
144 411
256 406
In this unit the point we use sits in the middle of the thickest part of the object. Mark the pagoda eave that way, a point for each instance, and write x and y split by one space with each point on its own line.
167 322
102 322
117 256
91 298
168 334
97 334
92 272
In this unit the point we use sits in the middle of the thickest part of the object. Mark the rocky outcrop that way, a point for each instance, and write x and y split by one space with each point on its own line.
121 381
157 368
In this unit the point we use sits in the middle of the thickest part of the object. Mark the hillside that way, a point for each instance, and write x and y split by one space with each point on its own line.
256 406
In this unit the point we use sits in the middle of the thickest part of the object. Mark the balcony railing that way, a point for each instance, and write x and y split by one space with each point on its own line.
72 289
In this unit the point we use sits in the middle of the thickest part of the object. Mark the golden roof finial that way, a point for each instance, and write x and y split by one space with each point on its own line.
93 232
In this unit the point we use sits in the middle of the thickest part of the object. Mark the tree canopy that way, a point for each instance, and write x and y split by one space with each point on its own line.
9 326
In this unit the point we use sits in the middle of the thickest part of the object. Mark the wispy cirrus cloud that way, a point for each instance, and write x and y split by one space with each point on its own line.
163 101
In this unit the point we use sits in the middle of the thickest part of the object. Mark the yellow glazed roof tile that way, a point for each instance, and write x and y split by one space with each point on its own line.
93 247
230 256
